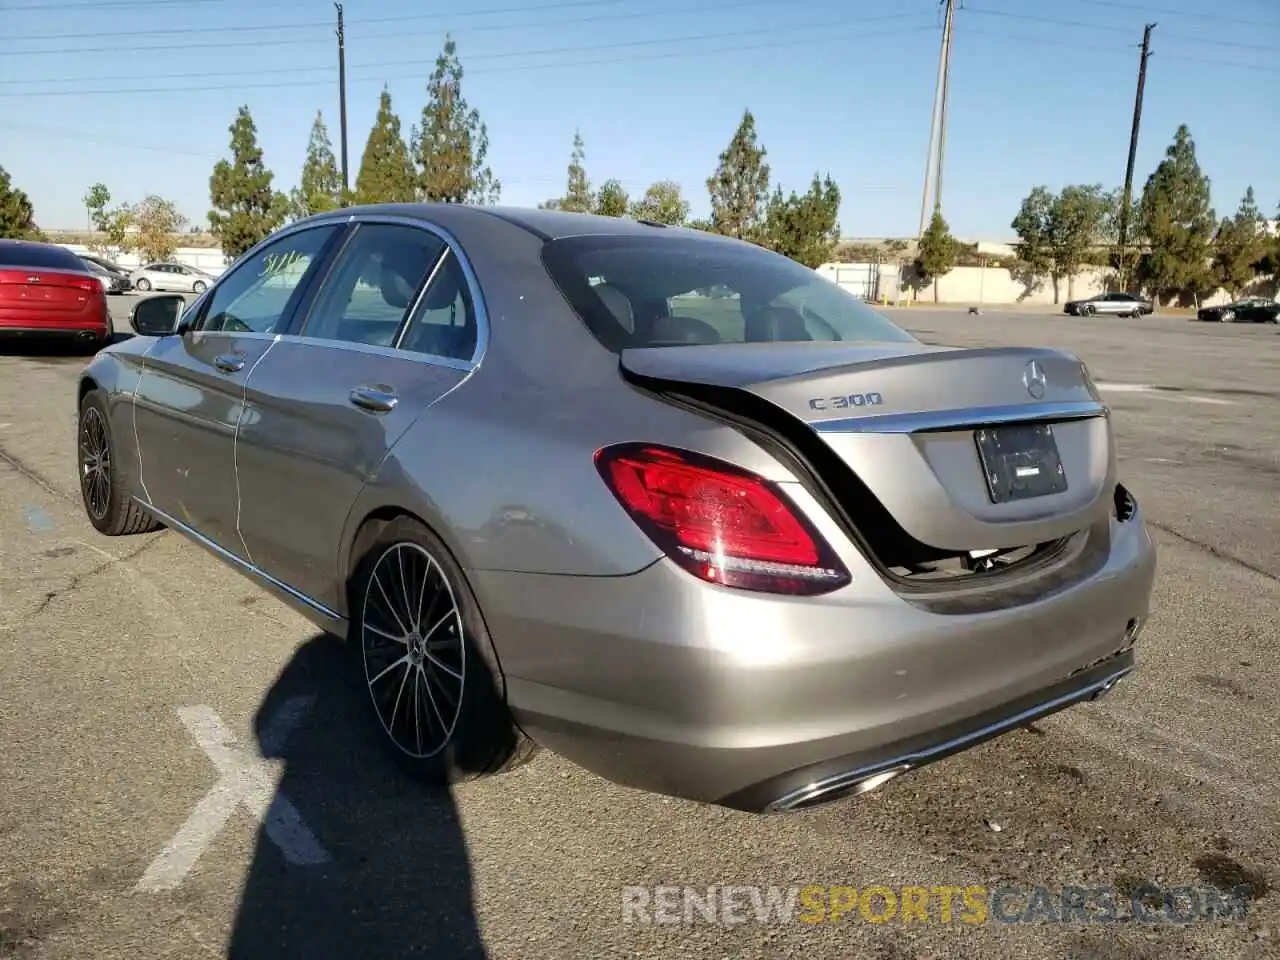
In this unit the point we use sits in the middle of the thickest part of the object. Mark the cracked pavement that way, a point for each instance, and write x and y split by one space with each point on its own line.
1172 780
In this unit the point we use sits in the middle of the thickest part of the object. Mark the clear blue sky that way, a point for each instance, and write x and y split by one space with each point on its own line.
139 94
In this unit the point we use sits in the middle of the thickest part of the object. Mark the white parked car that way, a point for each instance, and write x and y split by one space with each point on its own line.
171 276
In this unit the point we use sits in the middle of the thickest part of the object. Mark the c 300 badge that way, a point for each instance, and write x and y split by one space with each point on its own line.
846 401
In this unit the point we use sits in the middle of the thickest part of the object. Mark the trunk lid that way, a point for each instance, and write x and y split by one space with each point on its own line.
47 291
904 418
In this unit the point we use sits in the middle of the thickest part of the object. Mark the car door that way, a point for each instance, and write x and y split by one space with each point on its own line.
190 395
393 328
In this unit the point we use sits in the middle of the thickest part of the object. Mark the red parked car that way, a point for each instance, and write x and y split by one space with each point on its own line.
46 291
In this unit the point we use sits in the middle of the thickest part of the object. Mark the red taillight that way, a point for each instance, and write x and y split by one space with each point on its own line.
720 522
88 284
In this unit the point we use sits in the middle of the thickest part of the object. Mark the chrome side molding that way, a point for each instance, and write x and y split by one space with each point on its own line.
245 567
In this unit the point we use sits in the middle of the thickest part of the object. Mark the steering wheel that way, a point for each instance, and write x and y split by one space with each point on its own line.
233 324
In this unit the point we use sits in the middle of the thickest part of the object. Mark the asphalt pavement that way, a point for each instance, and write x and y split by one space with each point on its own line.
182 773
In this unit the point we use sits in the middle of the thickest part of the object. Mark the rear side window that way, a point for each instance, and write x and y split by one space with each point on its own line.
39 256
375 281
680 290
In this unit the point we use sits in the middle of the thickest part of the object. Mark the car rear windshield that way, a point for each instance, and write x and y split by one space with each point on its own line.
38 256
677 290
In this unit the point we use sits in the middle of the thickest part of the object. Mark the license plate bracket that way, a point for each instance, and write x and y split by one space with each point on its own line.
1020 461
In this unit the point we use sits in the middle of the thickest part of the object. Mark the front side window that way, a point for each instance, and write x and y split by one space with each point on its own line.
677 290
376 279
255 296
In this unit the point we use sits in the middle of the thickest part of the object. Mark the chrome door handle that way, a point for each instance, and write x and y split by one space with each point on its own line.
379 399
229 363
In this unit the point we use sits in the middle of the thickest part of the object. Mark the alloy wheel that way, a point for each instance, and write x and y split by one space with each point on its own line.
414 651
95 463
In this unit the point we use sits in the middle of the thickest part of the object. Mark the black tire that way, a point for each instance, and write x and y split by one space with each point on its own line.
106 480
438 739
143 284
198 287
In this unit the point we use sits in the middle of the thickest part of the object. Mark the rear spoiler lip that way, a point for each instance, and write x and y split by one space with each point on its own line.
937 421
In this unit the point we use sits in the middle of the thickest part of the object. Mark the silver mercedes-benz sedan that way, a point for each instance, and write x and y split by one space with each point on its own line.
668 504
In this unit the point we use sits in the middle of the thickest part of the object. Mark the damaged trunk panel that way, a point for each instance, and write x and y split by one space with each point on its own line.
946 466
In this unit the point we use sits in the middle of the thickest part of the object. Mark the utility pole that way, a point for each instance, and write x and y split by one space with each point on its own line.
1126 200
938 123
342 95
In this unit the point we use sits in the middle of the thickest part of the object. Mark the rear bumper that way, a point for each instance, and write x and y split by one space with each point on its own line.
83 333
660 682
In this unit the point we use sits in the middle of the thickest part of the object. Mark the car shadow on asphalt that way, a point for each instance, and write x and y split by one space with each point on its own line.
393 877
57 351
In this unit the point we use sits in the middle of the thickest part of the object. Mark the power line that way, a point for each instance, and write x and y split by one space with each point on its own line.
119 4
1052 43
627 182
421 61
392 35
1169 12
983 11
828 37
254 28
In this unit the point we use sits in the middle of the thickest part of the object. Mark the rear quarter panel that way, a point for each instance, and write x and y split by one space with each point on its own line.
502 467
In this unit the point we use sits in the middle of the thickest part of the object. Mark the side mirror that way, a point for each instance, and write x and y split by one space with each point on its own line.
157 316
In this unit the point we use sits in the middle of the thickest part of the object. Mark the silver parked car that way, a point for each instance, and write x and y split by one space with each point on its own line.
1110 304
171 276
760 548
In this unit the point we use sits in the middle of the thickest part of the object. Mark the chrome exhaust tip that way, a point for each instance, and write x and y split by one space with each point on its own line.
1111 683
850 784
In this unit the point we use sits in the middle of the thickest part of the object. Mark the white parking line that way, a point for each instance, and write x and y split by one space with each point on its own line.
1154 391
245 779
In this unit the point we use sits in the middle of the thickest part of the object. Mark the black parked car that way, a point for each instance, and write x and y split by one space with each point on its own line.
1253 310
116 277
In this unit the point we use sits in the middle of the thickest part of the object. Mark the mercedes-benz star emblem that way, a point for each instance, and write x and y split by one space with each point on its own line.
1034 379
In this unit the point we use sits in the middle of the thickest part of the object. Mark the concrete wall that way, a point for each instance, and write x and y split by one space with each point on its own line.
970 285
209 259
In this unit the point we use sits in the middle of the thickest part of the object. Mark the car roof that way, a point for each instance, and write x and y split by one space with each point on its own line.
547 224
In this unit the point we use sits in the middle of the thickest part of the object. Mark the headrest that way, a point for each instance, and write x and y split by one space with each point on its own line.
400 272
618 304
683 330
446 284
775 325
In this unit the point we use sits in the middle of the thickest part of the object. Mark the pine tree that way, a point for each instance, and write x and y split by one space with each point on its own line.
245 208
450 146
662 203
577 194
1239 247
937 252
612 199
740 186
386 172
320 187
17 215
1058 232
805 228
1177 223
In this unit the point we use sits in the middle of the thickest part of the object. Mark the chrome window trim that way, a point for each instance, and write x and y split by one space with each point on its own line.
407 322
393 353
473 286
941 420
338 218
